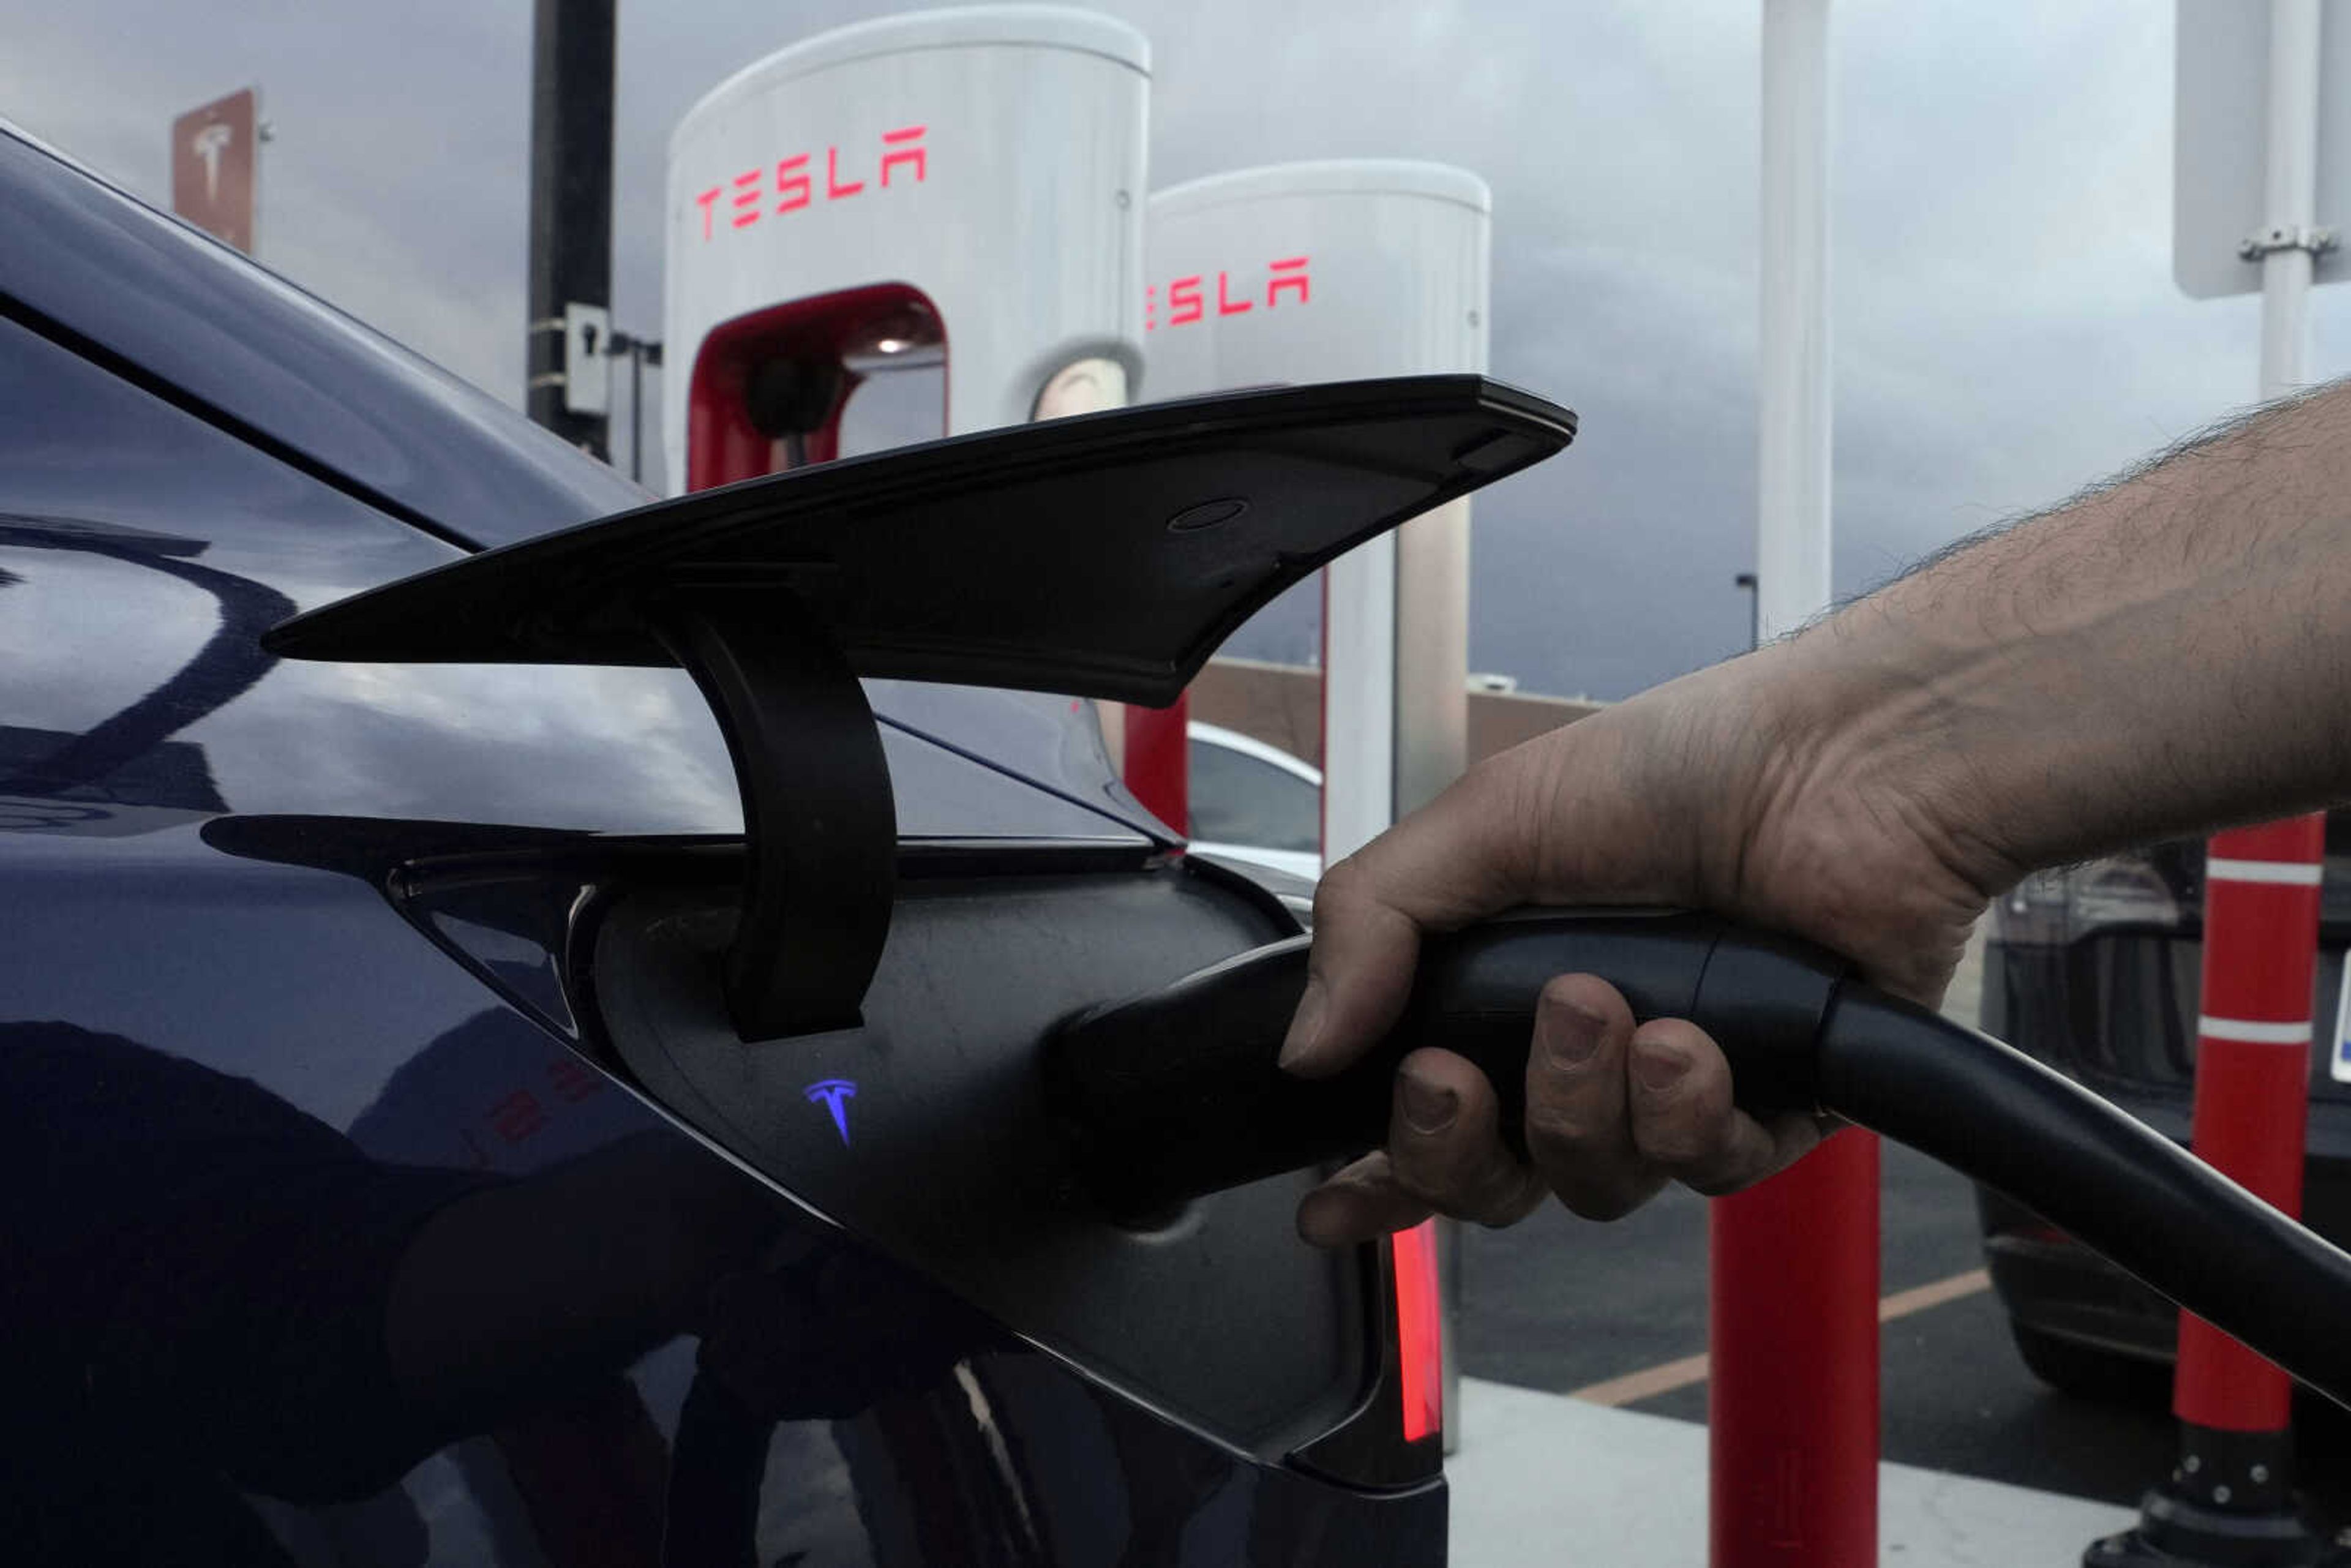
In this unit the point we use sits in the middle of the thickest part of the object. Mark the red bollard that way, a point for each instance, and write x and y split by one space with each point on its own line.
1159 760
1791 1413
2233 1490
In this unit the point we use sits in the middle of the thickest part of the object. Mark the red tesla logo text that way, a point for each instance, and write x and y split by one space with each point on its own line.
516 1116
790 183
573 1081
1188 300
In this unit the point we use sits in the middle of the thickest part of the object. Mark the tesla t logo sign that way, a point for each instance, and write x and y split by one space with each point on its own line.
208 144
1188 300
834 1094
212 167
770 190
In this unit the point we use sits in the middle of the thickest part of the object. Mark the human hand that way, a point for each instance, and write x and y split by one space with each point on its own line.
1737 789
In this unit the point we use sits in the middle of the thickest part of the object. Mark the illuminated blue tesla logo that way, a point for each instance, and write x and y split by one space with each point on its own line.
834 1094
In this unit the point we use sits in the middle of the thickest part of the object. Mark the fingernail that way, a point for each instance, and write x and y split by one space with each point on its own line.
1323 1218
1659 1066
1305 1026
1427 1107
1577 1037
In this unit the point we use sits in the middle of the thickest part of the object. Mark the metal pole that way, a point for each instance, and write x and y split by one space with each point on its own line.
1792 1412
1791 475
570 197
636 410
1430 692
1449 1296
2230 1498
2292 192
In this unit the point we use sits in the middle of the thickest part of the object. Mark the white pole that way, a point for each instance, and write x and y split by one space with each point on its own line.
1792 482
2290 198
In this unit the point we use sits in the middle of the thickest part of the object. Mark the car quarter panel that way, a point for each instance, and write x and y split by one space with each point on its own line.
334 1252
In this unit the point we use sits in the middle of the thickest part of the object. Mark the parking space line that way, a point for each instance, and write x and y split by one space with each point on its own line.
1902 1303
1635 1387
1650 1382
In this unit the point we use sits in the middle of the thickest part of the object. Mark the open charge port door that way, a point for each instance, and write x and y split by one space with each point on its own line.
862 1018
926 1130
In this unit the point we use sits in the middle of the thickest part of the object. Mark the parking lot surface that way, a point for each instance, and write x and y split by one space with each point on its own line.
1547 1478
1566 1306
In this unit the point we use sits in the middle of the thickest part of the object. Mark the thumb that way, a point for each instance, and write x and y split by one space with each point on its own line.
1447 864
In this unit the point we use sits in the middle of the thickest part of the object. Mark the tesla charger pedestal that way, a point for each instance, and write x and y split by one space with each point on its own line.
1312 272
963 185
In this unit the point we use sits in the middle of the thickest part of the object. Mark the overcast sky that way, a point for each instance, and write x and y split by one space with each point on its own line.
2005 324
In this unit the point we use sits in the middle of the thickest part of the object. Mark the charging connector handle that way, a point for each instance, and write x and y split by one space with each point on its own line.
1177 1093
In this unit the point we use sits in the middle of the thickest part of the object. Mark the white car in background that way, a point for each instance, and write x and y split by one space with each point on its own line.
1254 802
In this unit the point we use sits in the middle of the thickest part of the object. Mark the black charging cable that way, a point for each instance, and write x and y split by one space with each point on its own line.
1177 1093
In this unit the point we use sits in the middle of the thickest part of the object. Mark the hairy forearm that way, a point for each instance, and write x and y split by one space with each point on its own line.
2167 653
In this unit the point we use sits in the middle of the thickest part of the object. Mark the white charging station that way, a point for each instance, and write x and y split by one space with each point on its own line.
1325 272
963 184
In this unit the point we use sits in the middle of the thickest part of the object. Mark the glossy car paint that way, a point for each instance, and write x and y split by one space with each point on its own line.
334 1234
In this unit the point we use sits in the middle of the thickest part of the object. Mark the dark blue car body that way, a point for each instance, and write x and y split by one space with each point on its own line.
339 1229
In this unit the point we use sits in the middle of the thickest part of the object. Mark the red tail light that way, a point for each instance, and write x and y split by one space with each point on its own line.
1419 1330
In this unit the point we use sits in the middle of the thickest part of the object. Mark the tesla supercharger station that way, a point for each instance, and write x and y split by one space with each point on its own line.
1337 271
959 187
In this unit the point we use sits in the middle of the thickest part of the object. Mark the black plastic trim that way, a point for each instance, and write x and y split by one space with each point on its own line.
1366 1446
1044 556
819 820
